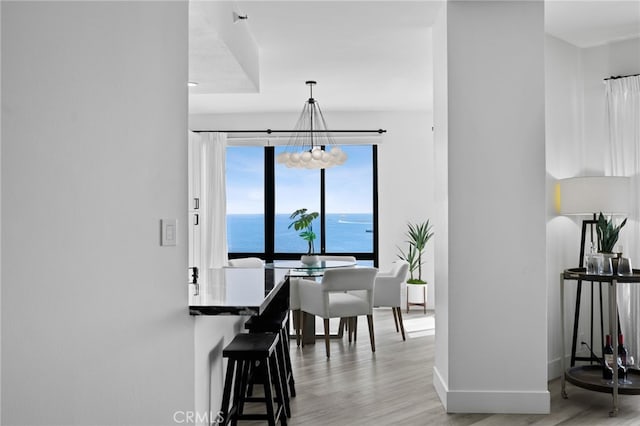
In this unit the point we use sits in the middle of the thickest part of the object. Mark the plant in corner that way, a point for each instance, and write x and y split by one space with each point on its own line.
608 233
419 235
303 221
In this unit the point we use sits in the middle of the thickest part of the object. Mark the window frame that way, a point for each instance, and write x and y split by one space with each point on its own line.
270 254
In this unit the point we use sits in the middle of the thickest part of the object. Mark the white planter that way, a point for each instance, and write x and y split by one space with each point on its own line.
309 260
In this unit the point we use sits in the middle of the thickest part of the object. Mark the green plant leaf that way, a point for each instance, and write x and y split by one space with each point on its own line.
303 221
411 258
608 233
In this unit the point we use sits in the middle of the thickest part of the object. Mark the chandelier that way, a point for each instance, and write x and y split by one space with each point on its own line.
311 145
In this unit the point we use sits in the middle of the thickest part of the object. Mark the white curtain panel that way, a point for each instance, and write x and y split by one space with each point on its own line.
214 200
623 120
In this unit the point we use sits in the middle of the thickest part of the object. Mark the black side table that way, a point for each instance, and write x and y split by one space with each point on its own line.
590 376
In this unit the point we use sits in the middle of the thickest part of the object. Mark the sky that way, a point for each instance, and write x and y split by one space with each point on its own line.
348 187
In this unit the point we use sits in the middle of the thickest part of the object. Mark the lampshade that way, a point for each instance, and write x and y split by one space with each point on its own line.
592 194
311 145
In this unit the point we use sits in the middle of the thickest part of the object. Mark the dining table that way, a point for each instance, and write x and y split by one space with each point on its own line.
299 269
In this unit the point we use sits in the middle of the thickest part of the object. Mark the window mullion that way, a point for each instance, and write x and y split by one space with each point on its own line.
323 222
374 153
269 203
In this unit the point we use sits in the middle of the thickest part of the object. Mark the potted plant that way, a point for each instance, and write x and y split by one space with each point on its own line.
608 233
608 237
303 221
419 235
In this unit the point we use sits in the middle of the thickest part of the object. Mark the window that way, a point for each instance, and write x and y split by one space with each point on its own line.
245 199
349 203
262 195
294 189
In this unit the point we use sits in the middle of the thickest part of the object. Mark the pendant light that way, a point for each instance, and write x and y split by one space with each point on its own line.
311 145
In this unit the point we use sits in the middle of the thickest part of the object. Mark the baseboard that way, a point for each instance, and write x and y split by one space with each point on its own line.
495 402
499 402
441 387
553 369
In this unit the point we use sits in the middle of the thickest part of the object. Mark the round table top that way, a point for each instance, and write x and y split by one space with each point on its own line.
323 264
581 274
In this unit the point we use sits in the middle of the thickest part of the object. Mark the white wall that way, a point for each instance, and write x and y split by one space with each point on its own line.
564 156
405 165
0 218
441 198
575 146
406 190
496 210
212 334
95 327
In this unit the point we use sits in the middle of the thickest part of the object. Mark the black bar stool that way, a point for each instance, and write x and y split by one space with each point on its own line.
250 356
277 322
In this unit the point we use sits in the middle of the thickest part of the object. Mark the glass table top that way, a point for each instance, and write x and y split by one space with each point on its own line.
299 269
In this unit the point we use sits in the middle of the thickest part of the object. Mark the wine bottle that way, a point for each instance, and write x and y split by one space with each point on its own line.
607 355
622 350
622 370
622 358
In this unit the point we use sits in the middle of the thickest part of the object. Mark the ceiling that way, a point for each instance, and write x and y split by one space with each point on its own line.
591 23
365 55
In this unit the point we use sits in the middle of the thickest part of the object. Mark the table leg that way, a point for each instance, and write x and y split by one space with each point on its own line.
576 320
308 332
613 327
563 390
308 328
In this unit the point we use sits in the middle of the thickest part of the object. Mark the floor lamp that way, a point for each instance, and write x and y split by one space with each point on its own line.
588 196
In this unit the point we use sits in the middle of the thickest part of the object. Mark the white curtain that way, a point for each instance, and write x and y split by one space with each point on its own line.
623 120
214 200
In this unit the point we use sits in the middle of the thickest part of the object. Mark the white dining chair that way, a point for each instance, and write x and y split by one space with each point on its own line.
246 262
344 322
342 293
388 291
294 297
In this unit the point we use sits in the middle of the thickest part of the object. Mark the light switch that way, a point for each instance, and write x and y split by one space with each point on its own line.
169 230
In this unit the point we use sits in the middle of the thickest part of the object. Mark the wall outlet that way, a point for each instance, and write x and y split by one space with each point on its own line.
168 232
581 338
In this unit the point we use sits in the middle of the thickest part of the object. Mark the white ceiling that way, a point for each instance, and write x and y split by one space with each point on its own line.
372 55
591 23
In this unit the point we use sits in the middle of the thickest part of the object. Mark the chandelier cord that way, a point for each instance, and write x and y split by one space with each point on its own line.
311 110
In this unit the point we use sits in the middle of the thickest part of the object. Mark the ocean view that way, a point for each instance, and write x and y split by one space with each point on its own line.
345 233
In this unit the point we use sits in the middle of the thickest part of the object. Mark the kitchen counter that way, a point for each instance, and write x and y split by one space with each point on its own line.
238 291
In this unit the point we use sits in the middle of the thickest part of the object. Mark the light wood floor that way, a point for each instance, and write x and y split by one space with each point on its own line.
394 386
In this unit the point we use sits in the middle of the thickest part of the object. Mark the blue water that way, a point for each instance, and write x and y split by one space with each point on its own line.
346 233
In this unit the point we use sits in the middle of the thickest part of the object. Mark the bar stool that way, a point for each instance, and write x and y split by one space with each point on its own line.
252 355
277 322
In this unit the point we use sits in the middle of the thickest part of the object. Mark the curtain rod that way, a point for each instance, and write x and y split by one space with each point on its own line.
621 76
269 131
